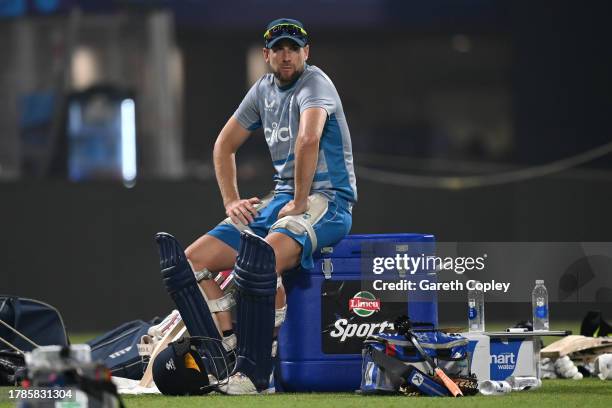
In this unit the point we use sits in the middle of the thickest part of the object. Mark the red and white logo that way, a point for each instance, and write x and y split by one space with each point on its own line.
364 304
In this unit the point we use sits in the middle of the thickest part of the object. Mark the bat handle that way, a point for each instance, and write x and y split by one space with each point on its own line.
450 384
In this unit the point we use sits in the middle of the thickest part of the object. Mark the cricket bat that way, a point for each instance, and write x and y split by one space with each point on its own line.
590 355
572 344
172 335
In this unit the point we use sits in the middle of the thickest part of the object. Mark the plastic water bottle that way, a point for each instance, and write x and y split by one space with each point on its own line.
476 319
539 301
490 387
523 383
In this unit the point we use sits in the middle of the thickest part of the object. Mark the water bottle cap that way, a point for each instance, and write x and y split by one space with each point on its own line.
540 282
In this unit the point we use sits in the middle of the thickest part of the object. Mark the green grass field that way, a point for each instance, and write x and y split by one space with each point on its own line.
591 393
588 393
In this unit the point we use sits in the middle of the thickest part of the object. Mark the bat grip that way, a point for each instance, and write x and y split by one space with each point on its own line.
450 384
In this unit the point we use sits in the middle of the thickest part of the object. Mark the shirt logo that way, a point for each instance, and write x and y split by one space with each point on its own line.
269 105
276 134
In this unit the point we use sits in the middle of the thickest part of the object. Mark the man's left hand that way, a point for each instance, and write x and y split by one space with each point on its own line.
293 208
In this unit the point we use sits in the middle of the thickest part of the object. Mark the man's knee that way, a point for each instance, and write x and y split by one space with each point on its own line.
195 254
286 250
210 253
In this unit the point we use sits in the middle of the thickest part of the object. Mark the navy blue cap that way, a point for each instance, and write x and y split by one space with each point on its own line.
285 28
180 373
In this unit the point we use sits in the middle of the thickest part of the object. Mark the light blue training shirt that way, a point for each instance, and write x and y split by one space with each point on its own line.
278 109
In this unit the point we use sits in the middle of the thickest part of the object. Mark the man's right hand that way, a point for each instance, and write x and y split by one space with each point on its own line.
242 211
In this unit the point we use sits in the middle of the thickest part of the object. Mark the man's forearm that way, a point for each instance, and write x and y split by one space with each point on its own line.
306 157
225 171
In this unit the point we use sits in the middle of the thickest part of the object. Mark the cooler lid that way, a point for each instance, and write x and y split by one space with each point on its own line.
353 245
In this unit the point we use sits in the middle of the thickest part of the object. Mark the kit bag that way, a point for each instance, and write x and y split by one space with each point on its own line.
24 325
28 323
118 349
450 351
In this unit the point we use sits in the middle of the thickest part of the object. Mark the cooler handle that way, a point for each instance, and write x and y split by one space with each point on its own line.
327 267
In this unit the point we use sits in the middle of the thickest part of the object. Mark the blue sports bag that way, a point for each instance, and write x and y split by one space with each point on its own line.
449 351
118 349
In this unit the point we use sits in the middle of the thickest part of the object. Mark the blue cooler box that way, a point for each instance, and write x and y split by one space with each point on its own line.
335 306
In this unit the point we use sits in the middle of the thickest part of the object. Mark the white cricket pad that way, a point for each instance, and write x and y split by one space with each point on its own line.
303 223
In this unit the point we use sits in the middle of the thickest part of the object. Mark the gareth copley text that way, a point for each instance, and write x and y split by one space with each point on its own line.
455 285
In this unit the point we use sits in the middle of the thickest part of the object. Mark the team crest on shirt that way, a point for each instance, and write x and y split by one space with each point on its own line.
269 105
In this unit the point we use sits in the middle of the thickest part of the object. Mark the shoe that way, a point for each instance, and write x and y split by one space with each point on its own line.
240 384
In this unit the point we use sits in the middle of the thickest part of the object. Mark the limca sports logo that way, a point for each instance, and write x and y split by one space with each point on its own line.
364 304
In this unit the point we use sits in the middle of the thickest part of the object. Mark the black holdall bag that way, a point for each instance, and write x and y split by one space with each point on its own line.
24 325
31 321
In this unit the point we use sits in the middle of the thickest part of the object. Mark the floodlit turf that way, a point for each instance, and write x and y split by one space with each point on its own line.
589 393
555 393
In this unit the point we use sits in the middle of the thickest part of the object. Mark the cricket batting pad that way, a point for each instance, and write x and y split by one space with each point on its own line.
181 284
255 278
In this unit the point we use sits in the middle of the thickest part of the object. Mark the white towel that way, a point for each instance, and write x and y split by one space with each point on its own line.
128 386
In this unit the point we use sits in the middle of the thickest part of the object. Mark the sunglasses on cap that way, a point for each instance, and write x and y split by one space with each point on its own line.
285 29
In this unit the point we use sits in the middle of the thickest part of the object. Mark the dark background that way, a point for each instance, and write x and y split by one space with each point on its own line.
533 88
